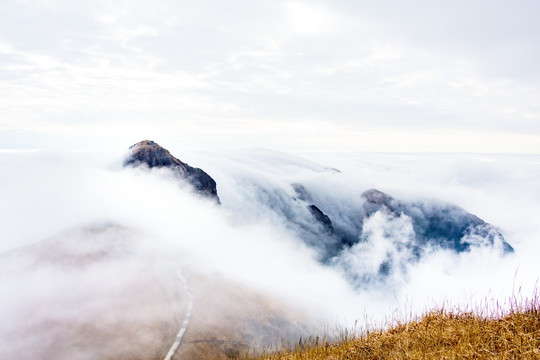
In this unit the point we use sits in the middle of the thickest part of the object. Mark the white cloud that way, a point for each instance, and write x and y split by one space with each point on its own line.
209 66
312 18
245 241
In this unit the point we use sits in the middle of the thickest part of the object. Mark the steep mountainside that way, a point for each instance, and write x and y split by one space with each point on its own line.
437 224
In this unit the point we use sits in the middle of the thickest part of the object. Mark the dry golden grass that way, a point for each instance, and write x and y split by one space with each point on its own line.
510 334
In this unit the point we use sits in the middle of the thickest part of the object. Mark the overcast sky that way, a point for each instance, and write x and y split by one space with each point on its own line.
288 75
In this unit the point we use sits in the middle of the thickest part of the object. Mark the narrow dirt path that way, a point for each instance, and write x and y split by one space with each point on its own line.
187 318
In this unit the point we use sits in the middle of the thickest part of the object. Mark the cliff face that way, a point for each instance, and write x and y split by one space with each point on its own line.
150 154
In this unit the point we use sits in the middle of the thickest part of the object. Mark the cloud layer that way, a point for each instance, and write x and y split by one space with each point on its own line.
338 75
247 241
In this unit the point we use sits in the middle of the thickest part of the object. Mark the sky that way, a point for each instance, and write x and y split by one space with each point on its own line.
455 76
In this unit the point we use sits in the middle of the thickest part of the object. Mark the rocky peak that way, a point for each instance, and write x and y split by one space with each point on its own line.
150 154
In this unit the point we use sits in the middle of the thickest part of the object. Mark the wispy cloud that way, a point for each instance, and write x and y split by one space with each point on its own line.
212 65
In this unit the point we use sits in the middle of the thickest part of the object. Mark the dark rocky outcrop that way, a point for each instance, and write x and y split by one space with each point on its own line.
150 154
321 218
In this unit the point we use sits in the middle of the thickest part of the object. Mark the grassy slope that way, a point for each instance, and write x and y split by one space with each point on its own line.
437 335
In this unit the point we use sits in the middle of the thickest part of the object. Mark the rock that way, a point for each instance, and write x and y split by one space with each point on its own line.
150 154
321 218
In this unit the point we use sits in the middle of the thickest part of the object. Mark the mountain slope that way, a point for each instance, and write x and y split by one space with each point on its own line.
149 153
101 292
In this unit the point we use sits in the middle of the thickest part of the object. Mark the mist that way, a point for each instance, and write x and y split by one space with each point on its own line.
248 240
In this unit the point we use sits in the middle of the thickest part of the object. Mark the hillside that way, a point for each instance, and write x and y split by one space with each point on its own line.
437 335
112 300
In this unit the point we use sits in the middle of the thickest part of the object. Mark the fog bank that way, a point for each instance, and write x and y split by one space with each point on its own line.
247 241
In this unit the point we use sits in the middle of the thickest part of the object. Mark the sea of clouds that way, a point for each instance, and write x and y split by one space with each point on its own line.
46 194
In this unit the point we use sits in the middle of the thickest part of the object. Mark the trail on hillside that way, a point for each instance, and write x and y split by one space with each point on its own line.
187 317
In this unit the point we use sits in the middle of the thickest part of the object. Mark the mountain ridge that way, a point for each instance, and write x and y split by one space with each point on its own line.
342 233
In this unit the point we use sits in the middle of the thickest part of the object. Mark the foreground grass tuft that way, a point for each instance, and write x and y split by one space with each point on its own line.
441 334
